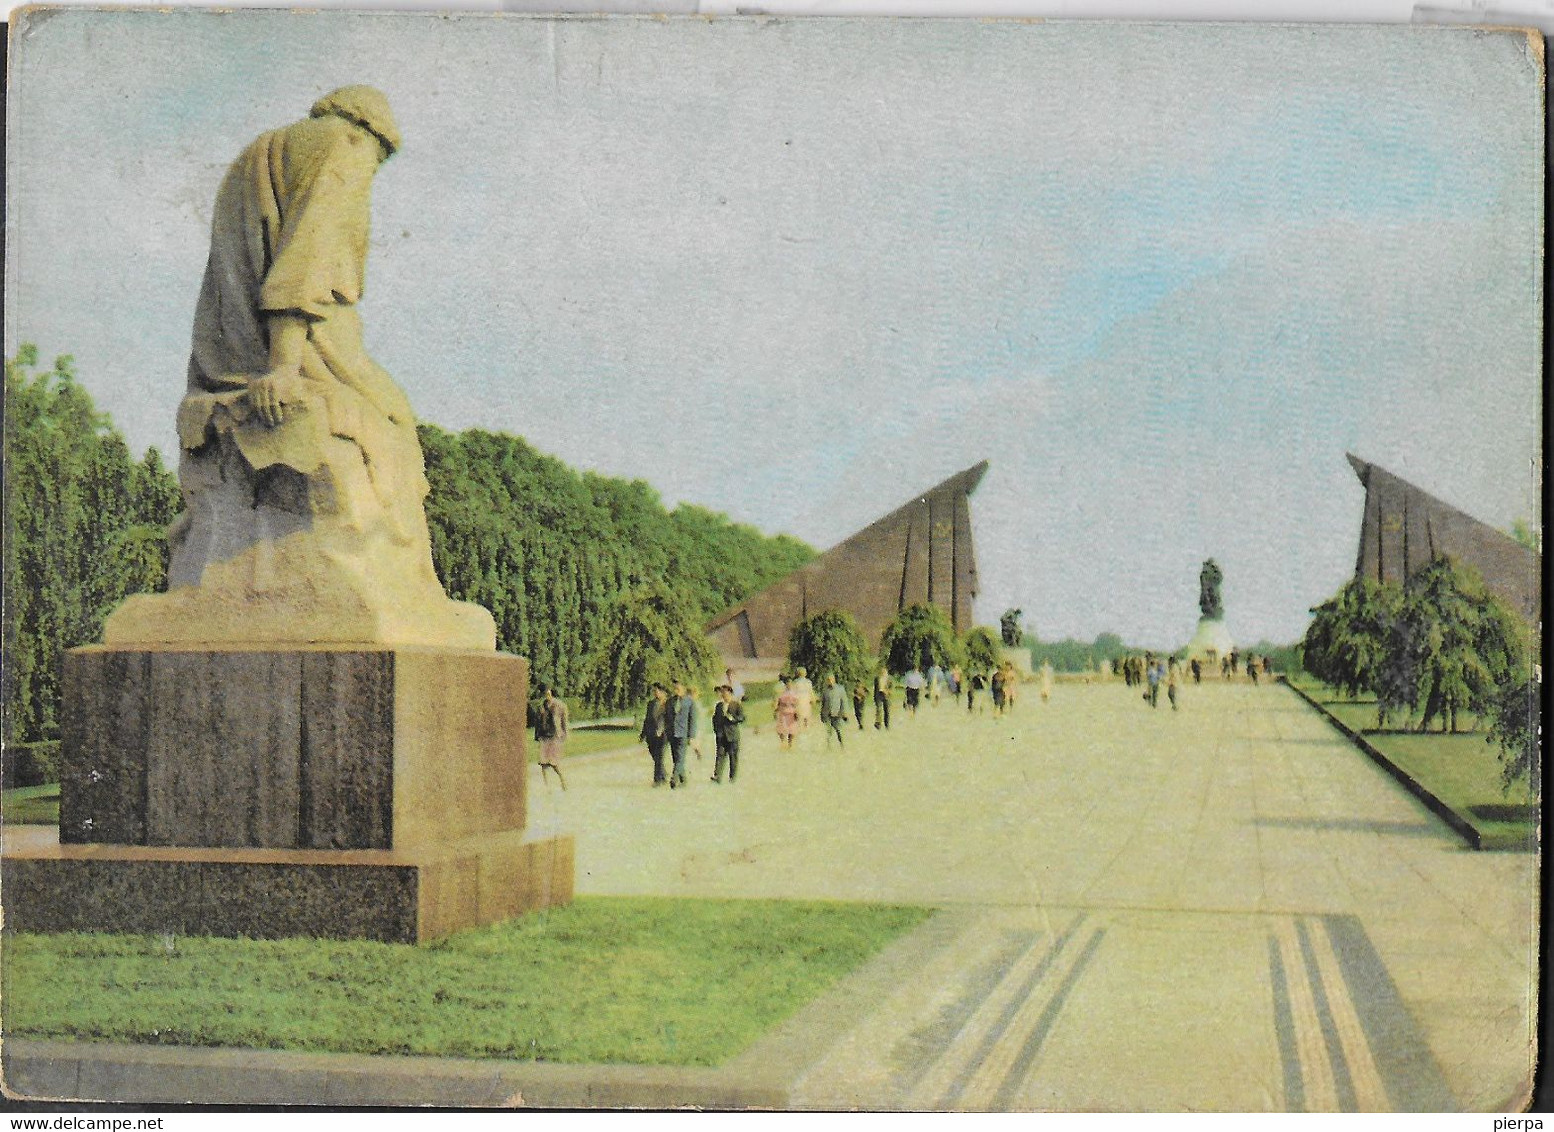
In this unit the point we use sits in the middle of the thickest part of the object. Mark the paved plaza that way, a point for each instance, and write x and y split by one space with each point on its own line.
1225 907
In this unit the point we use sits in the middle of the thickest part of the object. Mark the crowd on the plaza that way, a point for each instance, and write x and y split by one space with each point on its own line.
674 719
1152 672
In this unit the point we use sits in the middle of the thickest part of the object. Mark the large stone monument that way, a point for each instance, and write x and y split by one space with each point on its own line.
304 735
1212 641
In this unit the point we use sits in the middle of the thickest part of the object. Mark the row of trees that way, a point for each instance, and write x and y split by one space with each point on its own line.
920 637
562 559
84 528
650 637
569 561
1438 650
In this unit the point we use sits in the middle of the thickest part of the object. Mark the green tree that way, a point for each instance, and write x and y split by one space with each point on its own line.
647 635
1347 641
981 649
1516 725
547 549
829 643
919 637
85 527
1462 646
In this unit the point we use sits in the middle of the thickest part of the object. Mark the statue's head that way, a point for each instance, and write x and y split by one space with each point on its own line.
362 106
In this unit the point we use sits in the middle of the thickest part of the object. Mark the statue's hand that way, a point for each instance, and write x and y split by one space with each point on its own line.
269 395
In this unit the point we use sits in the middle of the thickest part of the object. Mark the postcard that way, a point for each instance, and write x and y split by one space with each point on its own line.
771 563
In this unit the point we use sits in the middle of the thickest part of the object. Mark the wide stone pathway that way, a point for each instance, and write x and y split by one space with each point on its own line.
1225 907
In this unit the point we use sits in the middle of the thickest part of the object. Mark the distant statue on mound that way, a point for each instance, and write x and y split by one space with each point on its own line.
1210 579
301 471
1010 629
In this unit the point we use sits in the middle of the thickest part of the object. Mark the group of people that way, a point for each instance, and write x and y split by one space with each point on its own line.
672 721
1152 672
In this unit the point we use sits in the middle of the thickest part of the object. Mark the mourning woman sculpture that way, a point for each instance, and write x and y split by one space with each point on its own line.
301 471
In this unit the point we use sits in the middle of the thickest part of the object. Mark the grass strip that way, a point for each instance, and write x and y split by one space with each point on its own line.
1462 770
607 979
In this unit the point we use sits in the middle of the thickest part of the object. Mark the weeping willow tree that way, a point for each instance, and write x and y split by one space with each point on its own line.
920 637
1347 642
981 650
646 636
830 644
1456 645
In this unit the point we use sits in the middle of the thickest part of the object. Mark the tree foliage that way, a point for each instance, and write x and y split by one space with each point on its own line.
1460 644
981 650
545 548
1517 721
919 637
646 635
1347 643
1436 649
829 643
548 550
85 527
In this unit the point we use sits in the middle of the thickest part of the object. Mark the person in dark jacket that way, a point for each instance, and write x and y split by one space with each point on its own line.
860 697
655 730
550 729
726 718
682 729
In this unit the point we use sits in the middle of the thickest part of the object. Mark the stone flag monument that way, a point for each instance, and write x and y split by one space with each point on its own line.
304 735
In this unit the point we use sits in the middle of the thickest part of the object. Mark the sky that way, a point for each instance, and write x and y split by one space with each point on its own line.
1161 277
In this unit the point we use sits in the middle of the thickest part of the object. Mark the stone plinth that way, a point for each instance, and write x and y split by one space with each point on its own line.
1211 642
320 748
386 895
339 790
1019 657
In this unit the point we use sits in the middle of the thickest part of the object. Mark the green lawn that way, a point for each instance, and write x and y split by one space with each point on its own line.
31 805
1461 770
607 979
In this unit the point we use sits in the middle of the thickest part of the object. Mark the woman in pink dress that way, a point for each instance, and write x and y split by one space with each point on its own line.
786 711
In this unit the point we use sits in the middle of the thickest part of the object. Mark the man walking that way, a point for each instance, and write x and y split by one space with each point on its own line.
682 729
655 730
860 697
833 710
1153 675
882 699
726 718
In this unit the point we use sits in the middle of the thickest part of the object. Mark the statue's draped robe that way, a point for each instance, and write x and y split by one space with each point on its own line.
312 528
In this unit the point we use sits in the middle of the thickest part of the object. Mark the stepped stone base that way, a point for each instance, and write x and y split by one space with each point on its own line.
339 791
393 896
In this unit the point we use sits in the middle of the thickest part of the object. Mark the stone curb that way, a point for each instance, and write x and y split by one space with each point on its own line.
1459 824
39 1070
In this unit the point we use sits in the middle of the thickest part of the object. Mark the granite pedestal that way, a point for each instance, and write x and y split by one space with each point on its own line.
339 791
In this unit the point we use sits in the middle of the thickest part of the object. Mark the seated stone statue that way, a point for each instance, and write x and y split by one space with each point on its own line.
302 476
